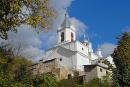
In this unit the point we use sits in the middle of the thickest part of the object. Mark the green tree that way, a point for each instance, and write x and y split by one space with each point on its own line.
16 12
45 80
96 82
13 69
15 72
103 82
121 57
68 83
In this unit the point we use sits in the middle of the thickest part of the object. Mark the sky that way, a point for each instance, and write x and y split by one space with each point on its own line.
101 20
105 19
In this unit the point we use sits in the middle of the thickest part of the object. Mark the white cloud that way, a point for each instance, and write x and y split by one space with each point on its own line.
107 49
32 45
126 29
80 26
33 53
26 42
59 5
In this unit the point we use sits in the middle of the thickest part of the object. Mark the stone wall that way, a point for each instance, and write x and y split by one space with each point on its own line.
95 71
54 66
90 73
51 66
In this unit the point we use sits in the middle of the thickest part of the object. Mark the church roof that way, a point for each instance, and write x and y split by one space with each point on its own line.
94 65
66 23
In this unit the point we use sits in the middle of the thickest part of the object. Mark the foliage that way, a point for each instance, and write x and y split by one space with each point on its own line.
121 57
45 80
103 82
13 68
15 72
16 12
76 82
94 83
67 83
108 63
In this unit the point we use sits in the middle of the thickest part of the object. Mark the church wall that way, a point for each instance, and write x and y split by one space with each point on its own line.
64 56
77 46
71 46
59 35
66 62
78 60
81 60
93 56
68 34
68 59
59 38
90 73
72 58
81 48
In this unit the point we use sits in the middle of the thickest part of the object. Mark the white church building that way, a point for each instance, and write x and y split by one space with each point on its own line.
72 53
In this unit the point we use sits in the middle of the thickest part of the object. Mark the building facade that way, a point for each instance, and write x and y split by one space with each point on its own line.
73 53
70 55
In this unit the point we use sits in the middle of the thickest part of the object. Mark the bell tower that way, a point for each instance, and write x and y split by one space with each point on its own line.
66 32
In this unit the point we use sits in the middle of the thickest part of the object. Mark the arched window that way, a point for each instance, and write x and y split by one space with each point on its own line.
72 37
62 36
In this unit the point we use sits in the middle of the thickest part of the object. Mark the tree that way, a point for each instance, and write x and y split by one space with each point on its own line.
15 72
45 80
13 69
68 83
16 12
100 82
121 57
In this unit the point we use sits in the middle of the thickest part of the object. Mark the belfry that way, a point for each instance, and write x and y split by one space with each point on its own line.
66 32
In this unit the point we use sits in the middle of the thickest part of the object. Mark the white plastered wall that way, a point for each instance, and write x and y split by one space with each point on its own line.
81 60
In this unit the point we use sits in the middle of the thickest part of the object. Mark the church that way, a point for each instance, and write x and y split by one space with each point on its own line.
71 55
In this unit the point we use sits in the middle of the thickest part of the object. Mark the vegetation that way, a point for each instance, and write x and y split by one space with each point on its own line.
121 58
14 72
67 83
106 62
16 12
96 82
103 82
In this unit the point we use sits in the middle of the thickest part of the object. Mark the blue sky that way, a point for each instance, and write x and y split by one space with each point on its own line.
106 19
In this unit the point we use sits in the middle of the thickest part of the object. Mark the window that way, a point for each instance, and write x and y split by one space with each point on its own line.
82 48
100 70
60 59
106 72
72 37
62 36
